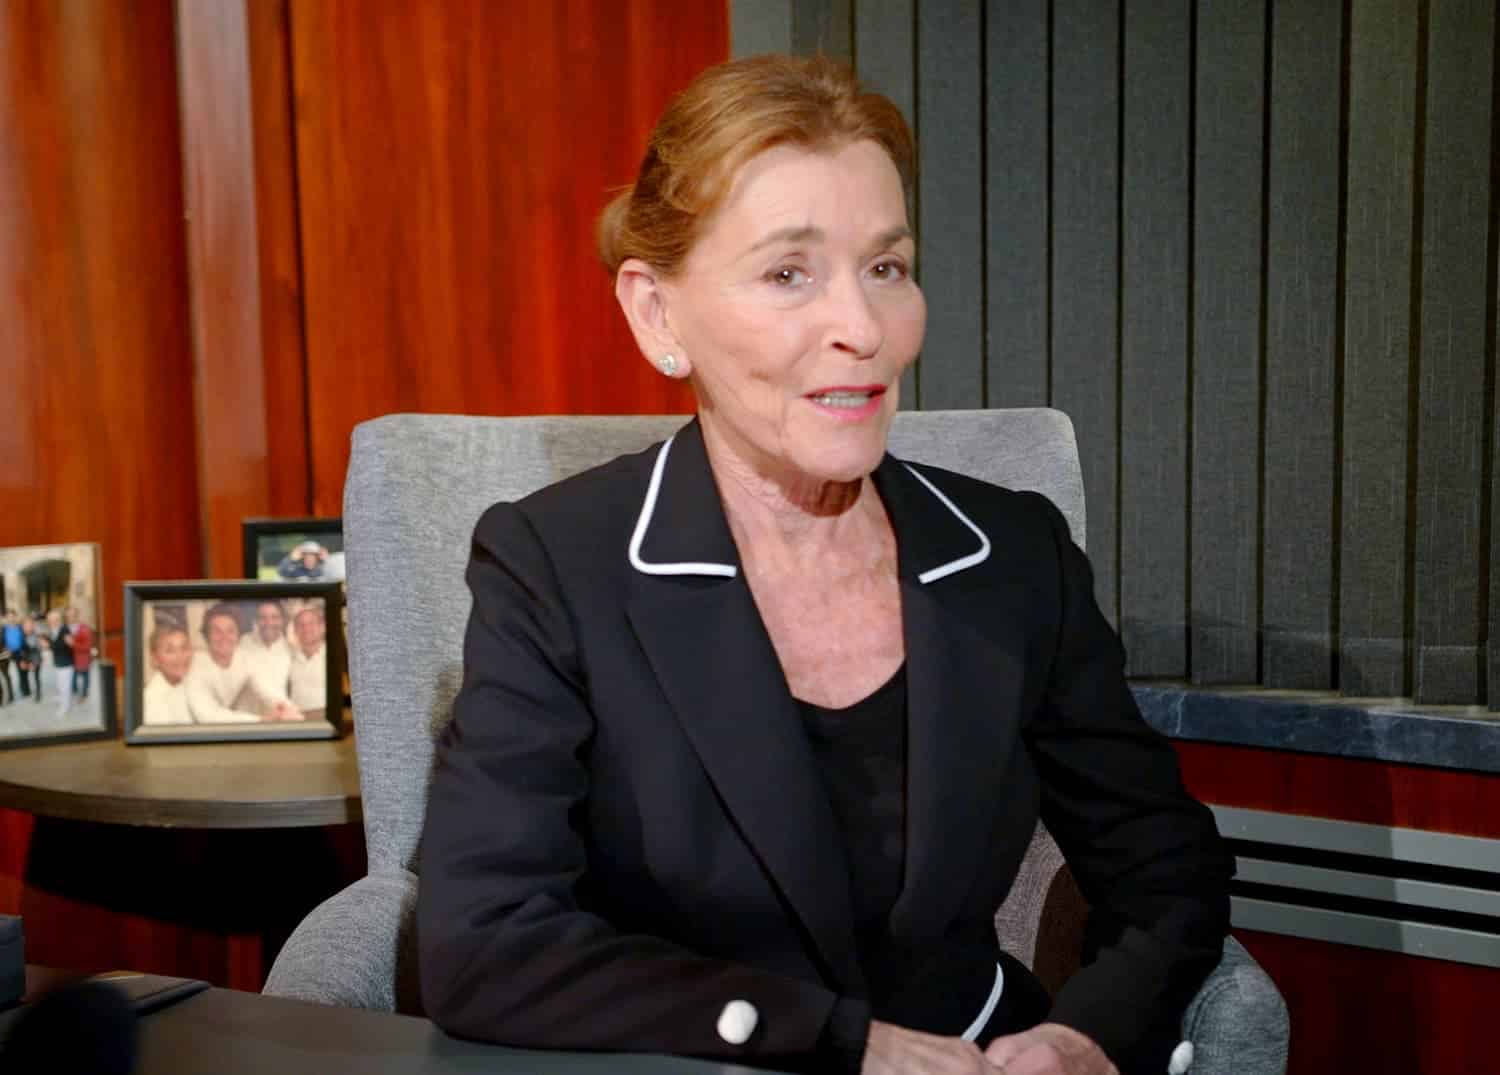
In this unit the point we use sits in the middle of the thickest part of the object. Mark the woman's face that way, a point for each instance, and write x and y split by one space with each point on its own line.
797 311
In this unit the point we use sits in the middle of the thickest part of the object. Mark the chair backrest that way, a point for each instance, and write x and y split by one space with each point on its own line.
416 486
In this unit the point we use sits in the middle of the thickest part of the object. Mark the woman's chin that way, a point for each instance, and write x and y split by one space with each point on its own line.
843 460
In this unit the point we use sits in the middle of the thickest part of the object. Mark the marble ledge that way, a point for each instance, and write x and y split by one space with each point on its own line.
1318 722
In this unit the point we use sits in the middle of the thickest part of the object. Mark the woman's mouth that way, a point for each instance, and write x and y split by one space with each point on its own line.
847 402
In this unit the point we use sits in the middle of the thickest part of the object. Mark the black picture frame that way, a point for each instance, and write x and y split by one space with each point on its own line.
109 727
138 595
85 569
254 531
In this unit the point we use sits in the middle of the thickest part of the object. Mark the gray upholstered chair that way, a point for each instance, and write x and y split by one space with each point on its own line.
416 486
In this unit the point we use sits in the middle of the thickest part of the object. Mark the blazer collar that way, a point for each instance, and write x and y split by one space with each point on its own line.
681 529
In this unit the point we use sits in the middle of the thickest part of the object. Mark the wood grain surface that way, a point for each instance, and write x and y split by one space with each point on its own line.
98 435
245 278
1378 1013
192 785
1346 789
451 160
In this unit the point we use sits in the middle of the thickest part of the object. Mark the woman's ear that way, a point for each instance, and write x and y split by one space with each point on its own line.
642 296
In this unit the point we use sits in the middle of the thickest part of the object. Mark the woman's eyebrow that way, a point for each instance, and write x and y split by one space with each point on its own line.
806 233
800 233
893 236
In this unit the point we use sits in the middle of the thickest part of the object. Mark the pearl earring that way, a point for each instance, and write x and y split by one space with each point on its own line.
668 365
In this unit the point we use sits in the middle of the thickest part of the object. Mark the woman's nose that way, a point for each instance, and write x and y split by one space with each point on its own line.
857 329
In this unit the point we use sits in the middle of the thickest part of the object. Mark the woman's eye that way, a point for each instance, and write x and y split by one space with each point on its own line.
889 270
787 276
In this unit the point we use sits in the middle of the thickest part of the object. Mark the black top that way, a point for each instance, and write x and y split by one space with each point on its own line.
861 753
62 648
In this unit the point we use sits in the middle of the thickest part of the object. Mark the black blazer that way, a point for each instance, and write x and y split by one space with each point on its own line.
626 828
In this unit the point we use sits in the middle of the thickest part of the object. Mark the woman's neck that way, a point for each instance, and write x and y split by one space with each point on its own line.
779 513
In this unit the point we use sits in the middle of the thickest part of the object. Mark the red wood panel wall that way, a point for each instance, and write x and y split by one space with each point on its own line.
98 436
1347 789
452 158
244 267
230 230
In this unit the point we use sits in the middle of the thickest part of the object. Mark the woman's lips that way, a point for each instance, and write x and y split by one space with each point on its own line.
847 402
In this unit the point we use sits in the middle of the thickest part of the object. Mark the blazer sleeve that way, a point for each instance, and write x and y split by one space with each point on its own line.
1147 856
508 950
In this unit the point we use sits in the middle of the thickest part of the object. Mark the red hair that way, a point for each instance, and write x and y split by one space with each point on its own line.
730 113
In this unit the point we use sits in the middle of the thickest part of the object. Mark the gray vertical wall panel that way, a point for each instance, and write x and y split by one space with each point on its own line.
885 47
1451 406
1085 260
1493 664
1301 337
1377 342
1015 325
1157 82
950 199
884 41
825 26
1227 176
757 26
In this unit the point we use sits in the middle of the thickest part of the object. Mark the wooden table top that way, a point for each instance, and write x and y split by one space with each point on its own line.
241 785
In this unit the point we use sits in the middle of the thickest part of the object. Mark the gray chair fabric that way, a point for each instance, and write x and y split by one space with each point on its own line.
416 486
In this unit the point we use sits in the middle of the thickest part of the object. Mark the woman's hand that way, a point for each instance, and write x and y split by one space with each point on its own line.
895 1050
1048 1049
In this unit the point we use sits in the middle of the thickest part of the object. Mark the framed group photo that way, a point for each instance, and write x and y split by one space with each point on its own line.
53 687
214 661
294 550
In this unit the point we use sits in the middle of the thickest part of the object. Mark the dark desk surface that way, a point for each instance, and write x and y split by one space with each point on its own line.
198 785
221 1032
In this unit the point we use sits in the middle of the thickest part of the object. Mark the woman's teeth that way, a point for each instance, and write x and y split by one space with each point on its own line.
843 399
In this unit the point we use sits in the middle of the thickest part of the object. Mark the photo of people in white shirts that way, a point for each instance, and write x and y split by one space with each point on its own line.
210 662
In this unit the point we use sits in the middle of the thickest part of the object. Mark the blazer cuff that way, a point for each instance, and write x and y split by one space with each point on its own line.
1119 997
841 1047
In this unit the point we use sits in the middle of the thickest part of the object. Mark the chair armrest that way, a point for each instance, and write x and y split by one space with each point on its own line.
1238 1022
356 949
1023 923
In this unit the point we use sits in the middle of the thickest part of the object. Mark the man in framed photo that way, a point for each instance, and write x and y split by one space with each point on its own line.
60 643
220 674
309 669
13 641
305 563
267 650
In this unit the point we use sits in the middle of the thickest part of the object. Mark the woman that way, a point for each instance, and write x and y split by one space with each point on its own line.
81 637
755 725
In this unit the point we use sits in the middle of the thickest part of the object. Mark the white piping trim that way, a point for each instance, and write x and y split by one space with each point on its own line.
953 566
728 571
989 1006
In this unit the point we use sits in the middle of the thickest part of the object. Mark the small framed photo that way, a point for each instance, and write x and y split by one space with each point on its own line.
53 687
294 550
216 661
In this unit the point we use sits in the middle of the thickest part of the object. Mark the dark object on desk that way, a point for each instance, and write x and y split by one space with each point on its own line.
87 1028
150 992
12 961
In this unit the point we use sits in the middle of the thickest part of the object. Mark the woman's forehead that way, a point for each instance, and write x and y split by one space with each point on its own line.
853 190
